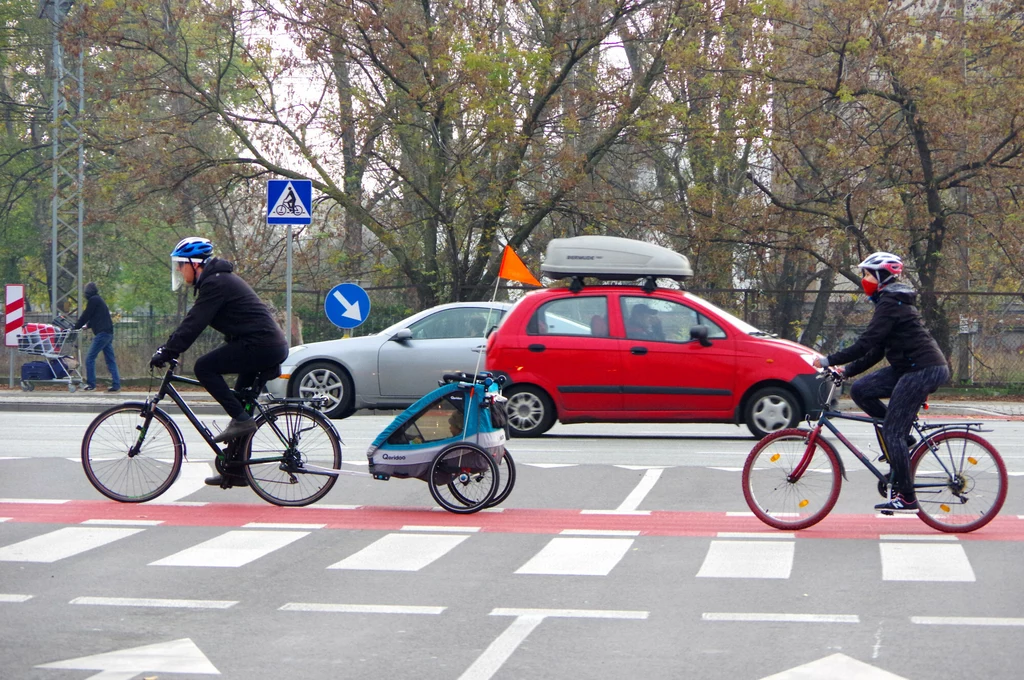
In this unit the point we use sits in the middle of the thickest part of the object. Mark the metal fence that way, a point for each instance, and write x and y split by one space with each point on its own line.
985 338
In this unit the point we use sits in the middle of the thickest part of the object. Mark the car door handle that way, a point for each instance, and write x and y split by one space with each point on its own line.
536 348
638 350
480 348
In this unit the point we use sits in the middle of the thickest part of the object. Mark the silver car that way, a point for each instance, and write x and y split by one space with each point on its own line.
395 367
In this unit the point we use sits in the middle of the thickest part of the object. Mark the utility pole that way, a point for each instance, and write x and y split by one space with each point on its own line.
67 206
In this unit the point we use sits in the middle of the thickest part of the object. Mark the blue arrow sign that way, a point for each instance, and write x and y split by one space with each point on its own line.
347 305
289 201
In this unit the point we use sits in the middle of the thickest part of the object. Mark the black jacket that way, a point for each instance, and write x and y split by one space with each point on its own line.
227 304
895 332
96 315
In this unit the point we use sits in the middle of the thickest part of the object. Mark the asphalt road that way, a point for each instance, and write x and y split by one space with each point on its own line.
623 551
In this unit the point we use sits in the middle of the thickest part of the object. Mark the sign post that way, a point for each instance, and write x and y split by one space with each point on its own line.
289 201
14 320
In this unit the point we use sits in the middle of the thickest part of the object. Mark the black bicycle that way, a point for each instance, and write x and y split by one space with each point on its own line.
792 477
132 453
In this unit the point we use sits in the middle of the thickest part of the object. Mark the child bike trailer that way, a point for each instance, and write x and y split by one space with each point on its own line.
453 439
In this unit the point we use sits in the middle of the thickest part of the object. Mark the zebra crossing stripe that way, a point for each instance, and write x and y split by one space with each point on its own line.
56 545
401 552
578 556
14 598
748 559
916 562
232 549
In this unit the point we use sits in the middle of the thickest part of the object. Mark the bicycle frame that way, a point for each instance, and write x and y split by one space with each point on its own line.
825 420
167 390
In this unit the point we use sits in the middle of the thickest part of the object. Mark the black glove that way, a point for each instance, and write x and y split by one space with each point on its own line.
161 357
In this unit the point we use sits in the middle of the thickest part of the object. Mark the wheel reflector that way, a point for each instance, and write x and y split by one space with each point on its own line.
972 461
804 503
944 507
774 458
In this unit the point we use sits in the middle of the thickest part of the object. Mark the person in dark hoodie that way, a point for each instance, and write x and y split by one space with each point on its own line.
254 341
916 368
97 317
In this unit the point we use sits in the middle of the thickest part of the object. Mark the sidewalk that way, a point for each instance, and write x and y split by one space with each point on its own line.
201 402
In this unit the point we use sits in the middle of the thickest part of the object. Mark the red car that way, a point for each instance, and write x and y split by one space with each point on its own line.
618 353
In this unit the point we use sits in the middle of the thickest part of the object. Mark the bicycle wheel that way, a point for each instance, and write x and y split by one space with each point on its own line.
506 480
785 504
960 481
463 478
121 474
287 439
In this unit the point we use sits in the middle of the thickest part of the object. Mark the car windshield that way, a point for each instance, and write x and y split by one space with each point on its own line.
737 322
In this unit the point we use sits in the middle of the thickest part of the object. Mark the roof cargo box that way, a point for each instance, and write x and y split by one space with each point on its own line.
612 259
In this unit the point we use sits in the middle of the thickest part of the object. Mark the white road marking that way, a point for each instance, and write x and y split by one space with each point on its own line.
637 495
498 652
440 529
400 552
912 562
328 506
5 519
281 525
835 667
748 559
755 534
13 597
232 549
154 602
359 608
191 479
35 501
918 537
125 522
757 617
56 545
966 621
578 556
598 532
545 466
177 656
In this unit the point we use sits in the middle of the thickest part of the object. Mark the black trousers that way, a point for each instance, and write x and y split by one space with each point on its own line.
906 393
235 358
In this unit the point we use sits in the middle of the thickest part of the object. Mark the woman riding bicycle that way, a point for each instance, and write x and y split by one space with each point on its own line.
916 367
254 341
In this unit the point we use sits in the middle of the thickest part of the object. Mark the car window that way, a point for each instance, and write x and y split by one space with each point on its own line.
578 315
648 318
459 322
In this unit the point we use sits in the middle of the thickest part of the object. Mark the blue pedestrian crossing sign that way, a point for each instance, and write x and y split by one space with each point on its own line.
289 201
347 305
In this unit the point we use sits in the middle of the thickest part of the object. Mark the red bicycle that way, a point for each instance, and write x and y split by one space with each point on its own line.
792 478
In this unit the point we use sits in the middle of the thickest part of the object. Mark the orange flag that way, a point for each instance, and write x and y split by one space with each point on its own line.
513 269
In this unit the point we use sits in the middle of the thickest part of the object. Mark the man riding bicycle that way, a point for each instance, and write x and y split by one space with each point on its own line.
916 368
254 341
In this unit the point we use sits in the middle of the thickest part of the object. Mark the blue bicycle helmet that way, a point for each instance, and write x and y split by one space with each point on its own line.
194 250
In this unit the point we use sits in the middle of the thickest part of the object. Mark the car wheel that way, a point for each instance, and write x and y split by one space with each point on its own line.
530 411
771 409
327 381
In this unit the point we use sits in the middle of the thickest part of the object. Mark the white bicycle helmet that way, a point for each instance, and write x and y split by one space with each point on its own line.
885 265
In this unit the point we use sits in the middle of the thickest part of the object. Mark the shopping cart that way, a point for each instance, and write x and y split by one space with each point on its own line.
57 344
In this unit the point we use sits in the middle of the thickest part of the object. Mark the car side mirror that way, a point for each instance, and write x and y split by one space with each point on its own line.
491 330
700 334
402 335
